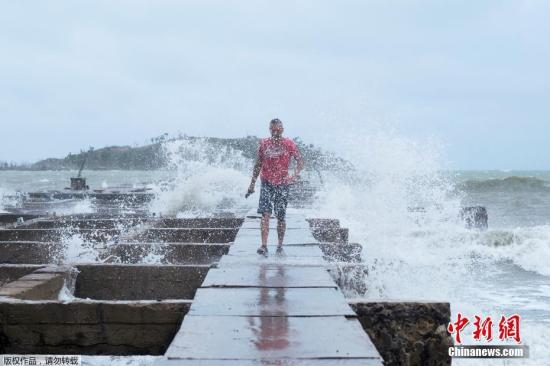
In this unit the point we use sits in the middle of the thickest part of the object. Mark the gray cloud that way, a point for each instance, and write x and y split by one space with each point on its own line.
74 74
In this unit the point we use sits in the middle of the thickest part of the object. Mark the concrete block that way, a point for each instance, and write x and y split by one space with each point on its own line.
47 289
89 327
137 282
172 253
328 230
43 284
29 252
11 272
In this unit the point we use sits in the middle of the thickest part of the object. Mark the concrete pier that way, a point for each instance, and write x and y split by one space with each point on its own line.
281 310
194 292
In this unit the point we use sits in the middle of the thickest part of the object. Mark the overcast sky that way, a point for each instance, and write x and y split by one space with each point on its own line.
472 74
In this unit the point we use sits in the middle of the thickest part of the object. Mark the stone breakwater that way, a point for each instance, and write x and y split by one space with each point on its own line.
133 296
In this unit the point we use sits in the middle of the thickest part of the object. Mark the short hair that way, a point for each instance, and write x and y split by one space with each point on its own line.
275 120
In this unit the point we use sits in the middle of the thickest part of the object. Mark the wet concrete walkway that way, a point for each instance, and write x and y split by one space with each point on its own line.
280 310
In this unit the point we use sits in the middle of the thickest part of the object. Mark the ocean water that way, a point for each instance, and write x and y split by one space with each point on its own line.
431 255
427 255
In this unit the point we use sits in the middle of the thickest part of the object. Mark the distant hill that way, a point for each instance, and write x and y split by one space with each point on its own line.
153 156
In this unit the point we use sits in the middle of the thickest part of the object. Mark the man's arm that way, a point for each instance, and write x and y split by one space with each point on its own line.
299 165
255 174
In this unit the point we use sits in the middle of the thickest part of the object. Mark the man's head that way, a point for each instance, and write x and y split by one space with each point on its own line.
276 128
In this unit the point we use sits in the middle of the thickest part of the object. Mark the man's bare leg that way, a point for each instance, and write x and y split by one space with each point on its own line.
281 228
264 227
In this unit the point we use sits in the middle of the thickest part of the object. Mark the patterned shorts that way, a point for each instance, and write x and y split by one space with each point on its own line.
273 198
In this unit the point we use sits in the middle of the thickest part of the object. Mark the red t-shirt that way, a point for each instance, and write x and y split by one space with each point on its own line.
275 158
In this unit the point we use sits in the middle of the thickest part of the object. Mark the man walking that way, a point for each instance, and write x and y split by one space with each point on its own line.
273 160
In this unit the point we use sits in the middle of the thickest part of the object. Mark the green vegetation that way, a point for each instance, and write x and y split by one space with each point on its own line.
152 156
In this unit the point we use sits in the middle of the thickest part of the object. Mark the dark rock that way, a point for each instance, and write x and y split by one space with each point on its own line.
475 217
407 333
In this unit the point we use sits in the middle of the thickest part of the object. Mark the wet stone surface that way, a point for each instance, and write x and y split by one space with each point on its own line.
268 276
280 310
219 337
255 241
288 251
270 302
